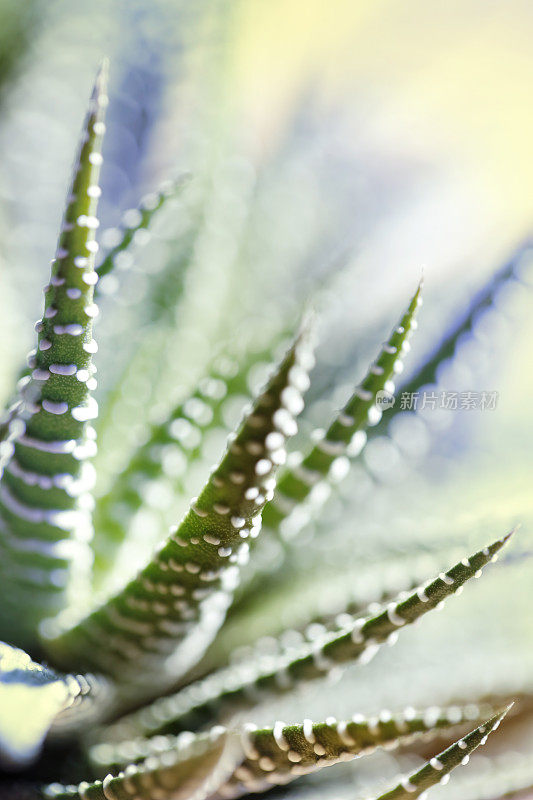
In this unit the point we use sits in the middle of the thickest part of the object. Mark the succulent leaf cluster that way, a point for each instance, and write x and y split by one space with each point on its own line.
123 691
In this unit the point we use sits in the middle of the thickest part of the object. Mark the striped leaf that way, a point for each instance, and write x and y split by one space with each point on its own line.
44 521
241 686
508 774
256 625
346 435
426 372
170 450
188 585
438 769
283 753
308 626
278 754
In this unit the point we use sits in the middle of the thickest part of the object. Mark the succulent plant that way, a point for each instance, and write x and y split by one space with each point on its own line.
126 703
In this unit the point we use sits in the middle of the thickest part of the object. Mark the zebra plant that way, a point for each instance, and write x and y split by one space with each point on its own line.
123 702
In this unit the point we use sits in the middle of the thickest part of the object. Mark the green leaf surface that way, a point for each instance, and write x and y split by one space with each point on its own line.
285 752
437 770
508 774
354 591
426 372
278 754
346 435
44 522
188 585
241 686
171 448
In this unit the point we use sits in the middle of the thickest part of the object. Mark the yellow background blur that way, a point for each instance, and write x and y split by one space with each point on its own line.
453 77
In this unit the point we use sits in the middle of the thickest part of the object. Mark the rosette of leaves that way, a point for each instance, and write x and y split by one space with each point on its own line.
107 688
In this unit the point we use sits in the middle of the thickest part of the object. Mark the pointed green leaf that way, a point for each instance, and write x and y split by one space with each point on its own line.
306 629
280 753
44 521
170 449
438 769
346 593
187 587
285 752
138 219
427 371
346 434
197 770
508 774
162 324
240 686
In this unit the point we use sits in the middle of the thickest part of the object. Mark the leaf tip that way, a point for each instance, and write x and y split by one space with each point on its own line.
102 74
493 549
99 93
417 298
494 722
308 321
305 339
510 534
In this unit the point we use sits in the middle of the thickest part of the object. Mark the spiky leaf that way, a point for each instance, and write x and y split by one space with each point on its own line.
278 754
426 372
170 450
187 586
44 525
228 691
507 776
346 434
437 770
285 752
258 622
